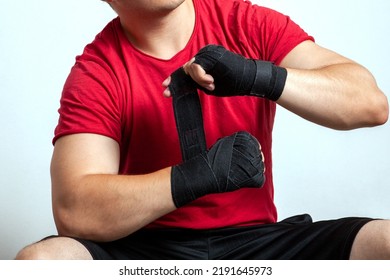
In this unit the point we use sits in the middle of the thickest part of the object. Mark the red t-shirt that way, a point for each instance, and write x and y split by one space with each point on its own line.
115 90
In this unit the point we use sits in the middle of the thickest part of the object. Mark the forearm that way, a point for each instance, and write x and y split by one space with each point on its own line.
108 207
91 201
321 86
341 96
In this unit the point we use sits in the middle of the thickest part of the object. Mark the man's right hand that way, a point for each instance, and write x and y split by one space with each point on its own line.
223 73
234 74
231 163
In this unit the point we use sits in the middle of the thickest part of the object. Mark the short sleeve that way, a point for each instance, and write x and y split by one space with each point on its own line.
89 103
270 33
280 34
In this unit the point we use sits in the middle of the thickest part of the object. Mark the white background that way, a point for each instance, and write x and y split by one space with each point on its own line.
326 173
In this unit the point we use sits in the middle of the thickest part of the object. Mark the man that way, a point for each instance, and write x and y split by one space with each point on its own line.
119 187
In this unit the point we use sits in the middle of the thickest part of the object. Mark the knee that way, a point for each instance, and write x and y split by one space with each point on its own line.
383 237
58 248
32 252
373 241
387 242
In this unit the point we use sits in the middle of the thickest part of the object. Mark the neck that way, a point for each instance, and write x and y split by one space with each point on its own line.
160 33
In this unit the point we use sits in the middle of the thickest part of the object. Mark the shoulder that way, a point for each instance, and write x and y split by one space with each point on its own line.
105 45
255 31
101 61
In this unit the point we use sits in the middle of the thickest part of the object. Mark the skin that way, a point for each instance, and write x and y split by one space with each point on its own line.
322 87
90 199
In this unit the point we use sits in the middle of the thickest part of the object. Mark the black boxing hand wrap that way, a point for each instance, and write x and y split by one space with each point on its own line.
236 75
232 162
188 114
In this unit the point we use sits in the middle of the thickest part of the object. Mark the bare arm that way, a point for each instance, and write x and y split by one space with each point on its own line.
91 201
331 90
322 87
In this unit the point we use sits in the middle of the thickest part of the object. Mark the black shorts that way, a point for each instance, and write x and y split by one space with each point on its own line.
296 238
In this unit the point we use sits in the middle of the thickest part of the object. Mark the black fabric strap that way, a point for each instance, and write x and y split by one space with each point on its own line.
188 114
231 163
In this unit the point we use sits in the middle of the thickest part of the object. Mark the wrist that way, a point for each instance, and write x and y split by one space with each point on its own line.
191 180
269 80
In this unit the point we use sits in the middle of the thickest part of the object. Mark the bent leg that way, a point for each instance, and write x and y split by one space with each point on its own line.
56 248
372 241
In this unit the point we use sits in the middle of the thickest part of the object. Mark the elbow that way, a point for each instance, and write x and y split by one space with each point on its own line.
65 213
77 224
371 107
376 105
385 112
379 111
382 117
63 222
370 113
74 218
69 225
66 223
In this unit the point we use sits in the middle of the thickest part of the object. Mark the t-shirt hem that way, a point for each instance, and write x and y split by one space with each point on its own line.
66 133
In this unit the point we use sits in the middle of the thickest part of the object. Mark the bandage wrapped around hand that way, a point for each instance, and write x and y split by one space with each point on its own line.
236 75
231 163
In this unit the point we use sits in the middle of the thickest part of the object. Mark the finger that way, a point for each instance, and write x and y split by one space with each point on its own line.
165 83
199 75
186 65
167 93
262 155
262 158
